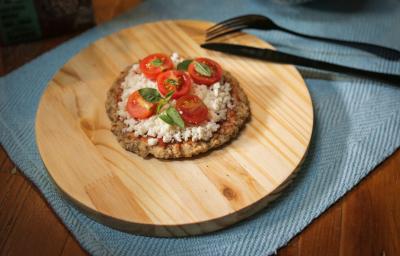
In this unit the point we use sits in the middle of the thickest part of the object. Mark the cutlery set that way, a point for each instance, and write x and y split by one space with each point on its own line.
239 23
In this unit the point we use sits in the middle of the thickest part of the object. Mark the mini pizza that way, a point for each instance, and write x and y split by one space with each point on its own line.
169 107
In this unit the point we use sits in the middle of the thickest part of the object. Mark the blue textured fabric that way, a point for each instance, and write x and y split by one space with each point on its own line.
357 122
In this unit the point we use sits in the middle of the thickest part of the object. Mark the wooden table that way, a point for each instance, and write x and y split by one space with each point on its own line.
364 222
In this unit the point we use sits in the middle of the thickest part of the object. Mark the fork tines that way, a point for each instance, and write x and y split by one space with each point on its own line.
230 26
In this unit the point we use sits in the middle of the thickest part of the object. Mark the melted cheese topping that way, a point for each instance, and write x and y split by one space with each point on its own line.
216 97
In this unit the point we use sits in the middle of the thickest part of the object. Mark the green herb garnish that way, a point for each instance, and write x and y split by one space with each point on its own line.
172 82
174 114
150 95
169 95
166 118
156 62
202 69
172 117
164 101
184 65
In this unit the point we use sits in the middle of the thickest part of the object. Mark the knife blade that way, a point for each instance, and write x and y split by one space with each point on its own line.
286 58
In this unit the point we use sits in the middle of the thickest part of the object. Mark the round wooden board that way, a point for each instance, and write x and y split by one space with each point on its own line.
177 197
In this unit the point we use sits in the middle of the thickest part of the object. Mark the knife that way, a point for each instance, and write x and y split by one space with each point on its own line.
286 58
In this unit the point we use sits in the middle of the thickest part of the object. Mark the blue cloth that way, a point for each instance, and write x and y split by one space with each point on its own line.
357 122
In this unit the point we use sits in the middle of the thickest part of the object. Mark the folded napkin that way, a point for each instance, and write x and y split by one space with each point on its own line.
357 122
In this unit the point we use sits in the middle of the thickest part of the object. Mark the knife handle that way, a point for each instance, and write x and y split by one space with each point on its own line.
286 58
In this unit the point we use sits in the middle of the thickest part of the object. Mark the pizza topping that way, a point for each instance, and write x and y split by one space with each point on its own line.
176 59
184 65
154 64
192 109
138 107
175 81
172 117
202 69
152 141
171 121
164 101
205 71
150 95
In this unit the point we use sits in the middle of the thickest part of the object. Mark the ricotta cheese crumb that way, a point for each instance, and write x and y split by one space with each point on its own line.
216 97
176 59
152 141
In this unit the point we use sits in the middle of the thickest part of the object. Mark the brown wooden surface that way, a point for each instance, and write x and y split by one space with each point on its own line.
364 222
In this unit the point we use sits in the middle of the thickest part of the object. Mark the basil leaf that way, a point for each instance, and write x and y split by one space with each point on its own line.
202 69
169 95
184 65
175 116
166 118
164 101
160 105
156 62
172 82
150 95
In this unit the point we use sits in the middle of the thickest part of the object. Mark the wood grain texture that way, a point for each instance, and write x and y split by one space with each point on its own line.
364 222
179 197
27 225
381 195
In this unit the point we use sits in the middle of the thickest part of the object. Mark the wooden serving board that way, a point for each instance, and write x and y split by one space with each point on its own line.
175 197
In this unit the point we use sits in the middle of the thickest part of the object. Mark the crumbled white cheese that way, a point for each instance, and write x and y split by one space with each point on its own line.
152 141
176 59
216 97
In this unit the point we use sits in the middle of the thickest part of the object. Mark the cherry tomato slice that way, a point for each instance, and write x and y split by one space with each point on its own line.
138 107
192 109
214 68
154 64
174 80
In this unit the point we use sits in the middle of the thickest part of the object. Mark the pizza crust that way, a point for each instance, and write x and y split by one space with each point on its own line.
228 130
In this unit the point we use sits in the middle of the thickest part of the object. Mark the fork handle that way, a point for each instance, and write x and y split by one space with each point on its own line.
378 50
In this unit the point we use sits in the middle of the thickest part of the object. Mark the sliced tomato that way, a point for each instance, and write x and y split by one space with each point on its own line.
215 71
192 109
138 107
154 64
174 80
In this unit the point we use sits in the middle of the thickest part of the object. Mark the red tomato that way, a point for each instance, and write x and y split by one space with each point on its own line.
174 80
154 64
138 107
192 109
215 68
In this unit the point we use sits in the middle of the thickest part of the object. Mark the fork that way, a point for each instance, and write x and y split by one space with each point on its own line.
264 23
